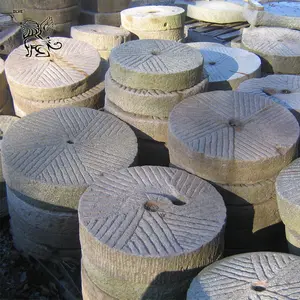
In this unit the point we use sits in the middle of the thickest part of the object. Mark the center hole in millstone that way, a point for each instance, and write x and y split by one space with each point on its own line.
232 123
70 142
212 63
155 52
285 91
259 286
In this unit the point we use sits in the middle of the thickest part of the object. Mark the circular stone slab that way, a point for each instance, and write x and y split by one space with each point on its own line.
171 35
260 275
68 72
156 64
10 38
204 45
102 37
105 6
89 17
153 18
232 137
279 48
157 219
55 154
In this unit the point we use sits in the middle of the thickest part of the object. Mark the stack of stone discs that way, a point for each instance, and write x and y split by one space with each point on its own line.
49 159
6 107
240 142
155 22
69 76
145 232
146 79
5 123
102 12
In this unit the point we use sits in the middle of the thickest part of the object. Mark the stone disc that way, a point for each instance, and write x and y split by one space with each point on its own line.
89 17
171 35
232 137
156 64
55 154
204 45
228 67
68 71
151 218
153 18
279 48
148 102
10 38
260 275
105 6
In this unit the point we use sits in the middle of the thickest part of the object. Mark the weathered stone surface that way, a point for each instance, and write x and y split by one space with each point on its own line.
279 48
232 137
228 67
102 37
204 45
148 102
68 72
163 220
55 154
156 64
171 35
64 29
293 239
89 17
10 38
273 13
260 275
105 6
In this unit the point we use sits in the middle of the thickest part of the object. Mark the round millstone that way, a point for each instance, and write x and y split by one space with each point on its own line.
55 154
232 137
260 275
228 67
204 45
105 6
293 239
89 17
68 72
10 38
156 64
153 18
102 37
171 35
148 102
162 220
279 48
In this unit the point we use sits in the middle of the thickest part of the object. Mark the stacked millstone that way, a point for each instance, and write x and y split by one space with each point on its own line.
155 22
5 123
70 76
145 232
260 275
6 106
49 159
102 12
146 79
239 142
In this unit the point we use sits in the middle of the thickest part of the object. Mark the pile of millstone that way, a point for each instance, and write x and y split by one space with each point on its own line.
6 107
155 22
70 76
63 13
104 12
103 37
145 232
240 142
288 198
146 79
5 123
49 159
260 275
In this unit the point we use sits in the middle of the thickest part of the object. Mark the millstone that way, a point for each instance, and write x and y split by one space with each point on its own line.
232 137
171 35
163 221
68 72
145 127
273 13
89 17
105 6
156 64
293 239
279 48
260 275
10 38
153 18
102 37
148 102
204 45
228 67
53 155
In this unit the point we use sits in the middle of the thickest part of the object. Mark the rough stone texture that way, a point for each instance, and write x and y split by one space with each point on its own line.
156 64
228 67
273 13
204 45
64 29
260 275
148 102
89 17
102 37
55 154
105 6
279 48
68 72
293 239
10 38
232 137
288 195
163 220
171 35
145 127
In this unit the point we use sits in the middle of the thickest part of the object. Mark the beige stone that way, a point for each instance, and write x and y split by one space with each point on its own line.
68 72
232 137
10 38
63 29
89 17
279 48
204 45
156 64
171 35
105 6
